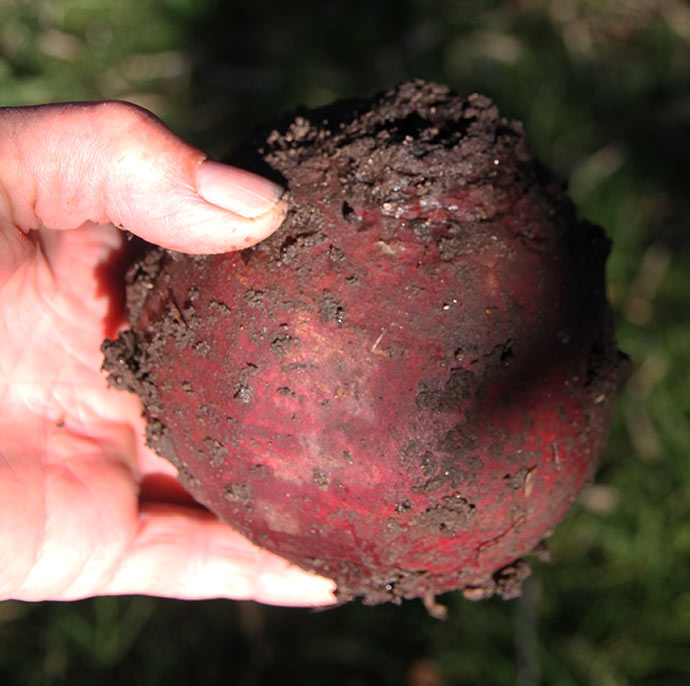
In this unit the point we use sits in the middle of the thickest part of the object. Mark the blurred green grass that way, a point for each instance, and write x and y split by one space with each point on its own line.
604 91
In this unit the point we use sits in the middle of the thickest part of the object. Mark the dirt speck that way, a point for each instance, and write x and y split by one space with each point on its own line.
332 309
321 479
459 386
238 493
506 583
253 297
281 344
449 516
215 451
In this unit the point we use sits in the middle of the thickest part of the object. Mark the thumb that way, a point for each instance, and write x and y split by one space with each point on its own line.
63 165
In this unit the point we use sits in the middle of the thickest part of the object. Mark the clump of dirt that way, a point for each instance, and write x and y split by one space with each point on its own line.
407 385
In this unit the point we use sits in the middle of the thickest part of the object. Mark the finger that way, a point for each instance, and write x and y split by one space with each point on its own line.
63 165
186 553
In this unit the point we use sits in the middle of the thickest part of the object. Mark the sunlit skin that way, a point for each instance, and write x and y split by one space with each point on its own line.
85 507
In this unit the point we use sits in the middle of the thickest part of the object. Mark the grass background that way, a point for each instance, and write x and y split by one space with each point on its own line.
603 87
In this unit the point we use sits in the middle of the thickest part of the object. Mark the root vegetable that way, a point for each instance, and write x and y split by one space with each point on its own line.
407 385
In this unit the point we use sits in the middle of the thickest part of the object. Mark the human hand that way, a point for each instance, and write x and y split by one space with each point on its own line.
85 507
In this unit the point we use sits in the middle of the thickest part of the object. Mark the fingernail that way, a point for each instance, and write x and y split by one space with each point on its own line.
236 190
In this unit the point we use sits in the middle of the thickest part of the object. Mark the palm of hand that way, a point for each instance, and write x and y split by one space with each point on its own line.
73 443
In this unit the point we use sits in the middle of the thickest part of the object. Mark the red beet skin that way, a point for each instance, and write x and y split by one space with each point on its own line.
406 386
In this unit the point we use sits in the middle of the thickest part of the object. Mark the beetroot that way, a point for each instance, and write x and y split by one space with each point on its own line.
407 385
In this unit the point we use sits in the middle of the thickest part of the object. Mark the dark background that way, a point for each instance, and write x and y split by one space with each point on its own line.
604 91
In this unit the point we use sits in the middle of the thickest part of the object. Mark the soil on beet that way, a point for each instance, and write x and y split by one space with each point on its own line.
422 191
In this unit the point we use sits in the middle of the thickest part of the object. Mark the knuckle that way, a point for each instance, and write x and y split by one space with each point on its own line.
120 115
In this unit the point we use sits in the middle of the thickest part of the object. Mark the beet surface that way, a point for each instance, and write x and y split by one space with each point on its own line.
407 385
